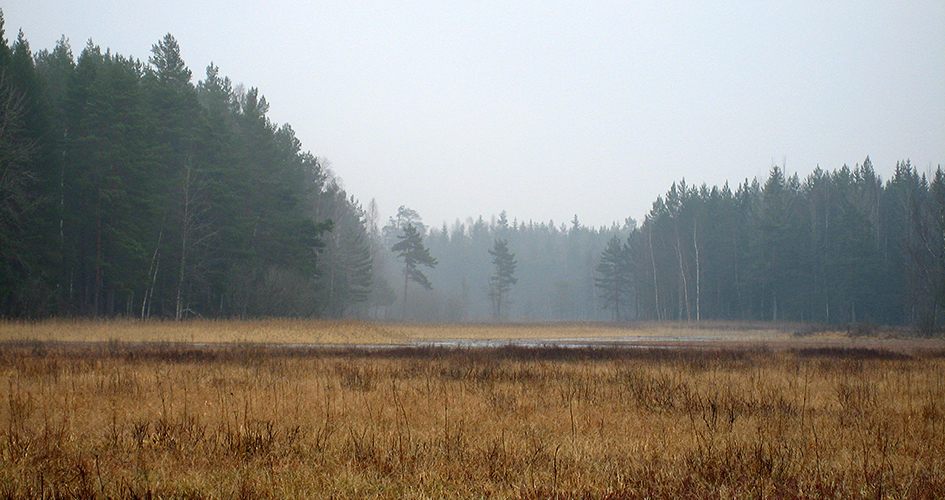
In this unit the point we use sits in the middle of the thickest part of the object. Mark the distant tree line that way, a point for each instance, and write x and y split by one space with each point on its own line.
835 247
128 190
505 269
840 247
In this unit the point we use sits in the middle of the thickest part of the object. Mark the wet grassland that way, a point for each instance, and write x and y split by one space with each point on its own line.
169 420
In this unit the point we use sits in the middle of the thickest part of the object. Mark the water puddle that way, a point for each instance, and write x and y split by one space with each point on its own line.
579 343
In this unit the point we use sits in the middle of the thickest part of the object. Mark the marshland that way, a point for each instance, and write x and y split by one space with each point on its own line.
482 292
835 419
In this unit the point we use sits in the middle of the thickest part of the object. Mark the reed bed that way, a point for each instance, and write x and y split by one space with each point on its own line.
204 331
302 331
115 420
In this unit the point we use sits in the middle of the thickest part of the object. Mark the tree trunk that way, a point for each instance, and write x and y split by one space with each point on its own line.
406 280
682 275
152 273
695 244
656 284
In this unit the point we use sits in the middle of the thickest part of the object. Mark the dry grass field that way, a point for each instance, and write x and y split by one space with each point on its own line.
290 331
164 420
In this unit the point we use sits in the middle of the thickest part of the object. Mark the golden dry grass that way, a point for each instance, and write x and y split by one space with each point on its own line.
173 421
297 331
261 331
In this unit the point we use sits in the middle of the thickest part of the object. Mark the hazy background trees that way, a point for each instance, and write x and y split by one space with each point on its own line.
837 247
128 189
614 278
413 253
502 278
550 265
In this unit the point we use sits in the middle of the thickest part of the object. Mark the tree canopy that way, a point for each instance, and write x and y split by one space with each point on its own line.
412 252
128 190
614 277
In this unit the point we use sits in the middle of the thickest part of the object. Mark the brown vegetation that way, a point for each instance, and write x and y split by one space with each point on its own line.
303 331
176 421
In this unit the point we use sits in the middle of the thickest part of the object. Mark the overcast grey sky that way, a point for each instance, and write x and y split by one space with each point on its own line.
551 109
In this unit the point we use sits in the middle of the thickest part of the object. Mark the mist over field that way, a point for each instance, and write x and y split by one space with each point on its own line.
508 250
138 187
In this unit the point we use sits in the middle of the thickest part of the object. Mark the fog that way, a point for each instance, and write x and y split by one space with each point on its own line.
547 111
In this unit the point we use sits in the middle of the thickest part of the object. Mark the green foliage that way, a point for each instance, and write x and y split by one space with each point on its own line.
411 250
130 191
24 144
503 277
347 278
615 277
839 247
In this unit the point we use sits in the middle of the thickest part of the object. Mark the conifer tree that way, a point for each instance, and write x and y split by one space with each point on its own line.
413 253
614 276
19 152
502 279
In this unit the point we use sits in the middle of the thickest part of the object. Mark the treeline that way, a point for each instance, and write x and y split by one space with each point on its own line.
129 190
126 189
838 247
554 273
835 247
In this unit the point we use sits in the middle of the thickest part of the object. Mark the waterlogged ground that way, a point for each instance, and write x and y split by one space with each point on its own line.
288 331
319 409
301 333
171 420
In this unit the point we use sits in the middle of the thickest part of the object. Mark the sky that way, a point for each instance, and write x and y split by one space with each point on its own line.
553 109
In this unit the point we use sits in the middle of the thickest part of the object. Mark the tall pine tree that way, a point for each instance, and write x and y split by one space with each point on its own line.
503 276
412 252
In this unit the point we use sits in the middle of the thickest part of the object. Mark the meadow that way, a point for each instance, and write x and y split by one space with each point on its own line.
302 331
115 419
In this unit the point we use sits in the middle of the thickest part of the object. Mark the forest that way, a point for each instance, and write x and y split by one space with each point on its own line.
127 189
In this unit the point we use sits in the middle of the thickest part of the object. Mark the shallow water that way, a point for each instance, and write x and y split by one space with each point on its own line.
634 341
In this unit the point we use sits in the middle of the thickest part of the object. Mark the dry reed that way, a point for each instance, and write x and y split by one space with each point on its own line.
116 420
301 331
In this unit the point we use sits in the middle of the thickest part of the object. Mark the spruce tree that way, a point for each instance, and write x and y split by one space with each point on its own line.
502 279
614 276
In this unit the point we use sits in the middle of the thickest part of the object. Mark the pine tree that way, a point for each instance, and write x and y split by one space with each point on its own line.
346 277
413 253
19 149
502 279
179 129
614 276
110 194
